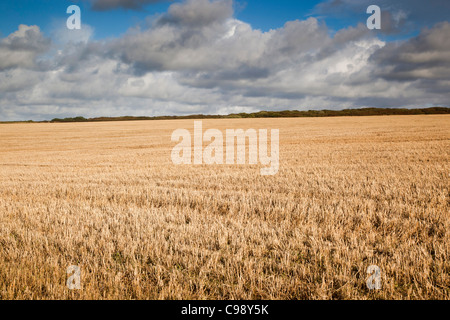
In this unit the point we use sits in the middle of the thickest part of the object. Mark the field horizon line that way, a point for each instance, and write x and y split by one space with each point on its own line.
257 115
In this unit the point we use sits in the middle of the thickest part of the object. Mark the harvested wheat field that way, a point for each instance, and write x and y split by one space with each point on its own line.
350 192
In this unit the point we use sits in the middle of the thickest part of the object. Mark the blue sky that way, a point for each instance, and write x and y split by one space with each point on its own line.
156 57
261 14
46 13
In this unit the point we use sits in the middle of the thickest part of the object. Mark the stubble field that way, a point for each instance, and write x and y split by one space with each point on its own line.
350 192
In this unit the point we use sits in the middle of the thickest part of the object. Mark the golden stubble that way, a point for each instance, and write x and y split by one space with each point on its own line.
351 192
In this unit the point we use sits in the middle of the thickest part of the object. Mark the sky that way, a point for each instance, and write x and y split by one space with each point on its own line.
152 57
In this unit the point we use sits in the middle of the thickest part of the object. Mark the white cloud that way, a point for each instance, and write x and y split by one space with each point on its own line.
21 48
62 35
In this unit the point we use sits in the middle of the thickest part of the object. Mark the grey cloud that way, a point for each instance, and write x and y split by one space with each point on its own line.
393 23
224 48
104 5
341 39
21 48
198 13
183 44
426 56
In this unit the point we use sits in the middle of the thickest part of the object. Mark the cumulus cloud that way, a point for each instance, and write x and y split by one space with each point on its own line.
21 48
198 13
424 57
198 58
229 54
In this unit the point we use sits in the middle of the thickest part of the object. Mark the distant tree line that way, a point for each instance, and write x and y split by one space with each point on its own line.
275 114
